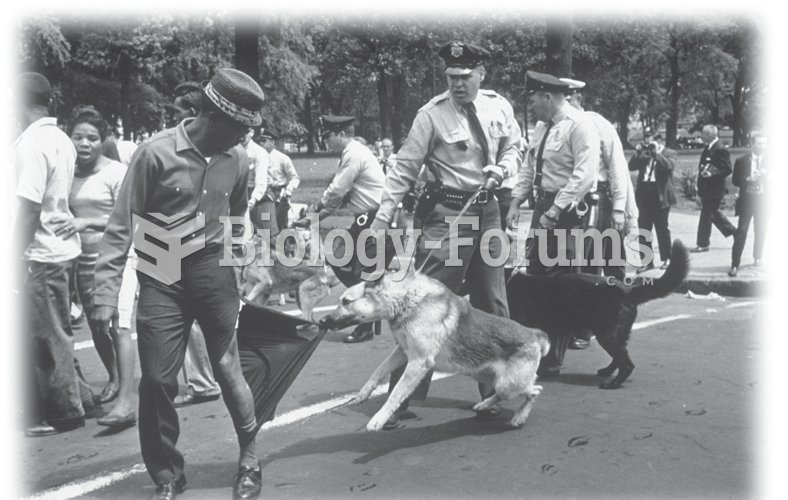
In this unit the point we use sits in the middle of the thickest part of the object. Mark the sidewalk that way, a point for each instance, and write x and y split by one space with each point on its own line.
708 270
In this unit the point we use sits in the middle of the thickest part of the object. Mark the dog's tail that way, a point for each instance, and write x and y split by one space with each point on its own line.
673 277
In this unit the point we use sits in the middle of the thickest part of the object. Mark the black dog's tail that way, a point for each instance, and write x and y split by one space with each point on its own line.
673 277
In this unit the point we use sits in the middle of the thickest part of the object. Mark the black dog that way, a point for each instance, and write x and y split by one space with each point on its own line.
561 305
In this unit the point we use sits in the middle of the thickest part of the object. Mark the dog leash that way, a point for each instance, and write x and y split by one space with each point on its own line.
454 223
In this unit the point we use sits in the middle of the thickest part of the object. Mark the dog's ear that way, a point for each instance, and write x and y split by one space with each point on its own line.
411 270
373 285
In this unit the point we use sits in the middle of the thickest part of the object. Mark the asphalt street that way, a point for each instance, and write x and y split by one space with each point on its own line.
683 426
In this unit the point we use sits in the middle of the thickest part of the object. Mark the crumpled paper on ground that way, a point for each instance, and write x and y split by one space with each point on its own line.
710 296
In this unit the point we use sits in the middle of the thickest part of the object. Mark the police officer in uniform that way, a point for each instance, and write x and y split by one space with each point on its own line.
616 206
560 169
468 138
357 185
282 178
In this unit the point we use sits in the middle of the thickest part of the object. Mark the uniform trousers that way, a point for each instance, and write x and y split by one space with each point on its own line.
206 292
486 283
551 246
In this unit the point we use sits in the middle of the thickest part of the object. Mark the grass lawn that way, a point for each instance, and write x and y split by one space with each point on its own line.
317 171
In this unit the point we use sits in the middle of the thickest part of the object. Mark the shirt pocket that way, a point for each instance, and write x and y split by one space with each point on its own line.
458 138
555 139
498 129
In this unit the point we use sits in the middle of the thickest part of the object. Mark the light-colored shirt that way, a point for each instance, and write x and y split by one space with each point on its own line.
44 159
126 150
359 174
387 162
93 197
570 158
282 172
259 165
168 175
441 138
613 167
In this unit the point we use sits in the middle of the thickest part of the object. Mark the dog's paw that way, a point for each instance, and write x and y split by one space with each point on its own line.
482 405
376 423
360 398
516 423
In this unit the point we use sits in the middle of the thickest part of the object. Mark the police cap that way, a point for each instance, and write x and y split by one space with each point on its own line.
574 85
268 134
461 58
335 124
535 82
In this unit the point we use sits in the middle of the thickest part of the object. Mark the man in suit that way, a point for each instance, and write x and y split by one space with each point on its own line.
714 167
750 175
654 193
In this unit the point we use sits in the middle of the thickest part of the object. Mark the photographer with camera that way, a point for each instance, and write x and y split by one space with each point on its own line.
654 193
387 158
714 167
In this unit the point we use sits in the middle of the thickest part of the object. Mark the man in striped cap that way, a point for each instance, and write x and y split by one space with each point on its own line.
196 170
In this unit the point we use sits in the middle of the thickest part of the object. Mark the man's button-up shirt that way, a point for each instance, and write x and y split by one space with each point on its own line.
441 138
359 175
570 158
168 175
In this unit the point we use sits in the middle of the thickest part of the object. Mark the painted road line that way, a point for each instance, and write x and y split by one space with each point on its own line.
294 416
646 324
83 487
80 488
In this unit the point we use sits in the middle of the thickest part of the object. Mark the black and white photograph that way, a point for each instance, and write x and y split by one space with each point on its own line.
392 251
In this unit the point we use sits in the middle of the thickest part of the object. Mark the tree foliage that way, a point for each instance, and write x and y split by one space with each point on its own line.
382 69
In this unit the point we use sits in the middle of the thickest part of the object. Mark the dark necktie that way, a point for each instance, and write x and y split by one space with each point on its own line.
476 127
539 160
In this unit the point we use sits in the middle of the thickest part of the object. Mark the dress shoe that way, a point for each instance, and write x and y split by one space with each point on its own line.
248 483
643 269
169 491
733 271
362 333
699 249
665 264
187 399
109 394
38 430
578 344
128 420
490 413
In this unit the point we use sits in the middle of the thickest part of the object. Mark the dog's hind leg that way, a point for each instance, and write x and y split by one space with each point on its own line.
394 360
414 373
521 415
621 360
608 370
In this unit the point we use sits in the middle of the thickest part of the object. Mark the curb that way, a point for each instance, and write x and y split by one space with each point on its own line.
725 287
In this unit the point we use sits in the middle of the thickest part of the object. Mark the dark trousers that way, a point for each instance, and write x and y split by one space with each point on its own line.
710 214
47 323
605 222
282 211
750 212
486 283
550 246
206 292
652 216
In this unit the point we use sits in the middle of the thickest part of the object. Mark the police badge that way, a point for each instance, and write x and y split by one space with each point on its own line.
456 49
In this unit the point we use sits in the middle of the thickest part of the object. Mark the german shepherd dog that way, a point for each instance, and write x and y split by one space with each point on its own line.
561 305
434 328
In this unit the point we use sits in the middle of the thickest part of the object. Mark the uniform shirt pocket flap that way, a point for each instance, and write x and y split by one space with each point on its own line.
455 136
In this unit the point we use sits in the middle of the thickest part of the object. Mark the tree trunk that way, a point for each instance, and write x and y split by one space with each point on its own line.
247 52
398 95
671 125
622 117
383 103
738 105
558 39
124 71
310 126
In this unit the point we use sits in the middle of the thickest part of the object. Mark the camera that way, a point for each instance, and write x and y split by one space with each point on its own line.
647 149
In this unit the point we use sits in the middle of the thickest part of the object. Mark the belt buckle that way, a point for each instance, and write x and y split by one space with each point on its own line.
484 197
